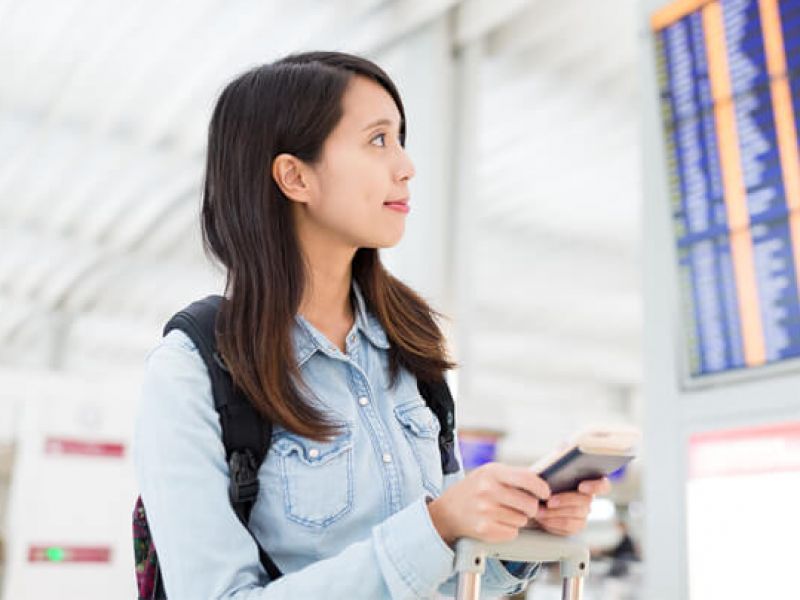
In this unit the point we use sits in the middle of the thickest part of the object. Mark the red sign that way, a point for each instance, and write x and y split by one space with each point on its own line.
83 447
71 554
751 450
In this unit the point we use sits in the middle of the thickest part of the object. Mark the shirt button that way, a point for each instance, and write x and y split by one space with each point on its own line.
387 458
313 453
363 401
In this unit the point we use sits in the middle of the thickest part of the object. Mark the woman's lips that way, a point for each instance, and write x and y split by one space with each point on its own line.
398 206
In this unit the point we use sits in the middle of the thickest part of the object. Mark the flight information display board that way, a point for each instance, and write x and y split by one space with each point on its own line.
729 82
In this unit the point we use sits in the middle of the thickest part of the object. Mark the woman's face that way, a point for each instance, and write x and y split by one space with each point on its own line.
362 167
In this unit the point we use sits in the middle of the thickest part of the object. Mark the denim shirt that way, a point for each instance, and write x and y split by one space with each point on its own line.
342 519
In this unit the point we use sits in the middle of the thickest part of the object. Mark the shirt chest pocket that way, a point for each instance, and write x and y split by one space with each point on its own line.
421 429
317 477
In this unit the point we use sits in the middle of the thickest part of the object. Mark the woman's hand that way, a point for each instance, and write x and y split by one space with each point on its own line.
566 513
490 504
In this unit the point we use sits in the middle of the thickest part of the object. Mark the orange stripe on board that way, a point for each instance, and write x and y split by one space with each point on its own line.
733 185
784 118
744 272
664 17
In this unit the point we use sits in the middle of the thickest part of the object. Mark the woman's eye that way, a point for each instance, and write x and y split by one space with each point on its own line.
380 135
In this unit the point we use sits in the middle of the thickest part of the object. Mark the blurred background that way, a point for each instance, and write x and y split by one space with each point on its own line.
558 148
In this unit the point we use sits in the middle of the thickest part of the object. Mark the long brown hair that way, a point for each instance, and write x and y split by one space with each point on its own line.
291 106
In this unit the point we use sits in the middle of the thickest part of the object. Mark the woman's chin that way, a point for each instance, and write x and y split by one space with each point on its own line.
391 243
388 240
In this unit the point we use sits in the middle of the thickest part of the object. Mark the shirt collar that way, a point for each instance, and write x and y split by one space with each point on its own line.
308 340
368 323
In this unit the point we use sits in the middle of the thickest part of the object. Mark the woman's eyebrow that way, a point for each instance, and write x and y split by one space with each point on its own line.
378 122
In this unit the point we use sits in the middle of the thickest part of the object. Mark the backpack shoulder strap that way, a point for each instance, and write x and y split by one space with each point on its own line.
439 399
246 435
243 428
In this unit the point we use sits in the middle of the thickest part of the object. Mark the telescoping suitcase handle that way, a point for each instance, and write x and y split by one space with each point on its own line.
529 546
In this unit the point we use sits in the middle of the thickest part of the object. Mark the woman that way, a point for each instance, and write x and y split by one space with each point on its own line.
306 178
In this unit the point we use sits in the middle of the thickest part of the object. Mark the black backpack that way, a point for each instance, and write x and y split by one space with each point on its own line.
246 436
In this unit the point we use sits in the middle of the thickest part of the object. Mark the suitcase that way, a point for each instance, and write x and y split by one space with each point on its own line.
529 546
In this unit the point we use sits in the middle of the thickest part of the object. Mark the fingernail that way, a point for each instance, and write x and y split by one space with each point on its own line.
552 502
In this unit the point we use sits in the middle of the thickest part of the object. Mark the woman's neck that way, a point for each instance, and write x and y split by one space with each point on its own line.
326 298
327 303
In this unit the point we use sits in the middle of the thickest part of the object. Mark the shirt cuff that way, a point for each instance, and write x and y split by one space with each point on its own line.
521 570
411 554
505 580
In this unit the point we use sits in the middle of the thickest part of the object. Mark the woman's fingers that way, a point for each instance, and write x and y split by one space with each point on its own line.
567 504
563 526
518 500
524 479
575 512
595 486
510 517
568 499
586 490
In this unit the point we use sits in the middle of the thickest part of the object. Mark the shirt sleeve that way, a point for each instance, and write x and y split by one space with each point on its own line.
501 577
204 550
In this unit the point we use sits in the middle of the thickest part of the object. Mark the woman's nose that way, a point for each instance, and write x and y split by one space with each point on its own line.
406 169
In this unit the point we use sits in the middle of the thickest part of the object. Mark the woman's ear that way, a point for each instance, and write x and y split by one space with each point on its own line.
292 176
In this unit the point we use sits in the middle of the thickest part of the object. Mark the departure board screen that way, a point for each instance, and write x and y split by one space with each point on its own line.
729 83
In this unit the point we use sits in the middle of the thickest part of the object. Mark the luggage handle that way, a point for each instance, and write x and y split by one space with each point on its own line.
529 546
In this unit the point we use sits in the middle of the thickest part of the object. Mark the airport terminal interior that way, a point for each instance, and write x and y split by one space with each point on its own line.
605 210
